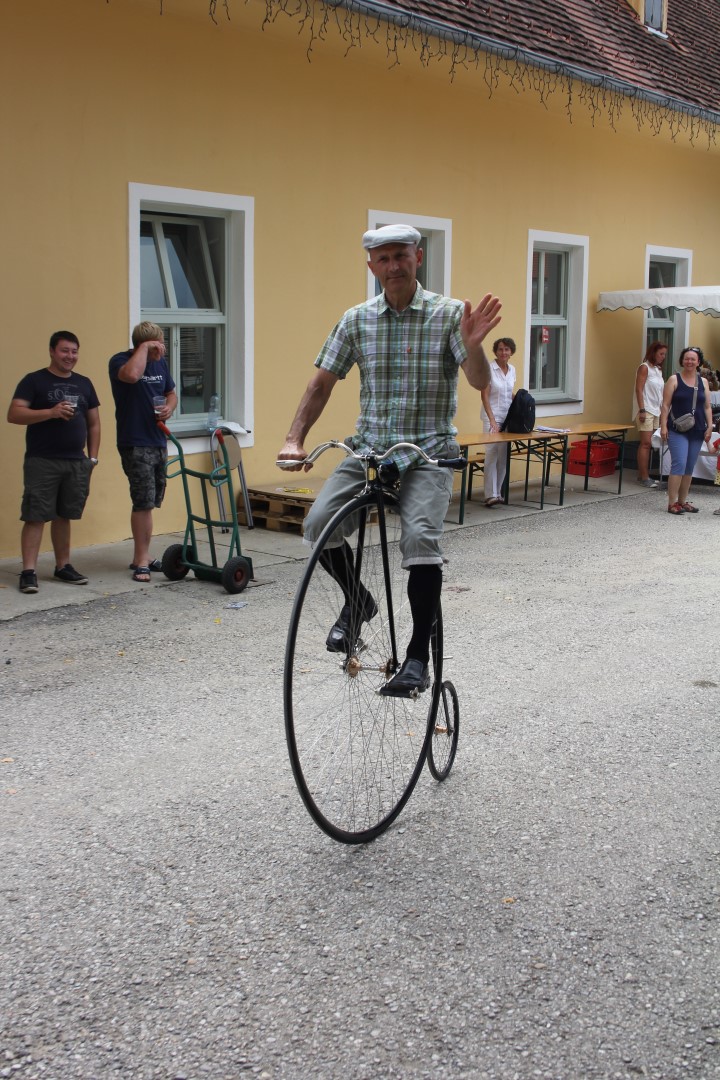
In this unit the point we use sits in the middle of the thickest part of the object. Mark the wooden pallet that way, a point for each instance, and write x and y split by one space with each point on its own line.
279 508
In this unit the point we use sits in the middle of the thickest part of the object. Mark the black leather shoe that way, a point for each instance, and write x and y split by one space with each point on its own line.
412 678
338 640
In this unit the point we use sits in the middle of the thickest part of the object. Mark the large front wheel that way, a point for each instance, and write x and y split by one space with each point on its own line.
356 754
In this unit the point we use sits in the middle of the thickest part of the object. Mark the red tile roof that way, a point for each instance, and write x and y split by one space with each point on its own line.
603 37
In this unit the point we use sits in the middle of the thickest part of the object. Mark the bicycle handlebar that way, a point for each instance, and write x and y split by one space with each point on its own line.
442 463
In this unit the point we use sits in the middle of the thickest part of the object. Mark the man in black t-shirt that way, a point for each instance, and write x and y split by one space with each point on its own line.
60 410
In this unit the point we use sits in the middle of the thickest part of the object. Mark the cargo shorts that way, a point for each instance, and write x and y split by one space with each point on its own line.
144 467
55 488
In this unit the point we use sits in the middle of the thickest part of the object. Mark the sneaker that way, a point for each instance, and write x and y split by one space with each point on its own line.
28 581
69 574
648 483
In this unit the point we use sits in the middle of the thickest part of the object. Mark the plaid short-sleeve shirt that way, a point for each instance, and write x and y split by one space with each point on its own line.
408 363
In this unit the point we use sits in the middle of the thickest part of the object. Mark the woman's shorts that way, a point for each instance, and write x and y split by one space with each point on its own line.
55 488
424 498
650 423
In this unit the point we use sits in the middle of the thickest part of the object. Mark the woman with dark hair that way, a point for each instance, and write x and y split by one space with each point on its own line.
647 403
686 394
496 398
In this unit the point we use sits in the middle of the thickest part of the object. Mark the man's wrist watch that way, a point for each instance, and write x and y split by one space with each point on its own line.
93 461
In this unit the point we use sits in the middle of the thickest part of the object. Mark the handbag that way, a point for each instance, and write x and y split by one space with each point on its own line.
686 422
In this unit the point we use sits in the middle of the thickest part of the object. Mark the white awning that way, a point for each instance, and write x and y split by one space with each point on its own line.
704 299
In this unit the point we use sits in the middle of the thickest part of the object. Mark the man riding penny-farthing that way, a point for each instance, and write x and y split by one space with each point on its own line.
409 345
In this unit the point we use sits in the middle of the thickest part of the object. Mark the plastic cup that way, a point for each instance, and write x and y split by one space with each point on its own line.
158 403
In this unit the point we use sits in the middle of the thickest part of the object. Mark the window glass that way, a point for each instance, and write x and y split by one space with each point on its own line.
654 13
182 272
548 321
152 290
553 283
187 265
660 326
547 358
535 282
198 367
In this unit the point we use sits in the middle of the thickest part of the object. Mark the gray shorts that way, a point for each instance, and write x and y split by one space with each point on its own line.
144 467
424 498
55 488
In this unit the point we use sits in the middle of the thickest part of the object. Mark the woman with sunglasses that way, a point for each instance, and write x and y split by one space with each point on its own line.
685 392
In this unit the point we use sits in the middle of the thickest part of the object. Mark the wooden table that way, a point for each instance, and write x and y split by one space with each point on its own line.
611 433
547 447
542 446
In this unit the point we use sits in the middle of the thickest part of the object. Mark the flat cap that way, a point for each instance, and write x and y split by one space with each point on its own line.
390 234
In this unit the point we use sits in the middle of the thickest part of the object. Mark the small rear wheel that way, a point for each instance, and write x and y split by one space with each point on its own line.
446 730
173 566
235 574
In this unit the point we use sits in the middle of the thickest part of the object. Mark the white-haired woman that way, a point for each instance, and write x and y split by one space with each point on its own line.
496 399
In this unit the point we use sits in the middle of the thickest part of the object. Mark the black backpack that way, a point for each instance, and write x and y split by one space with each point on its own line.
521 414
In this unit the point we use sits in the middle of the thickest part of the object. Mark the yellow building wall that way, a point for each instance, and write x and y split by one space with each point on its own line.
98 95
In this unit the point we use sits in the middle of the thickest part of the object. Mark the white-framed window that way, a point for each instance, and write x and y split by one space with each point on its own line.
191 272
436 242
556 320
666 268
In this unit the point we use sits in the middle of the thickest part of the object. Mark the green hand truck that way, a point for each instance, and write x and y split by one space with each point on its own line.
178 559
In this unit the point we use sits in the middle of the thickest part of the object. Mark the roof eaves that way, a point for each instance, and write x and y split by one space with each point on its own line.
446 31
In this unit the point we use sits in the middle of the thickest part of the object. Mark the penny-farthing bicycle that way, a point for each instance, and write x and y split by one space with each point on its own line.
356 754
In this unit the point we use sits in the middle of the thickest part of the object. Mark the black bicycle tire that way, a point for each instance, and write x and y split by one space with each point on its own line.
399 738
443 743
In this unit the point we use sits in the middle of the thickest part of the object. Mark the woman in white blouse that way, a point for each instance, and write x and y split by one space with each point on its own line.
647 403
496 398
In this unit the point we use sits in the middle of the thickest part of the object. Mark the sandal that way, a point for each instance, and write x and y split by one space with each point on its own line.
142 574
495 501
675 508
690 509
155 566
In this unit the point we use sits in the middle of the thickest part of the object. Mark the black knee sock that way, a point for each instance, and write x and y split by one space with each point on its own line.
340 565
424 588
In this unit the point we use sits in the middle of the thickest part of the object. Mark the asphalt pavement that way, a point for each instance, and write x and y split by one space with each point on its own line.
169 910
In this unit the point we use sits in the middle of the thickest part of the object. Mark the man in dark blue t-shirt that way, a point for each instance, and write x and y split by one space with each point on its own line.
60 411
144 393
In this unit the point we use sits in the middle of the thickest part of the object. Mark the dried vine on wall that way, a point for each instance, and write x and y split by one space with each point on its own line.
461 52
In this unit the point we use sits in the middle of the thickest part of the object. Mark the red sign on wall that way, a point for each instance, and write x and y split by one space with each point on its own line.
544 335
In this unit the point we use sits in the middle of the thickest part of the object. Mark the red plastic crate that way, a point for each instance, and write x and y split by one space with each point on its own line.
601 451
602 468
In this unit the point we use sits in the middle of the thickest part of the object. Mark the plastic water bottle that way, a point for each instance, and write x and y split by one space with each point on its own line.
214 413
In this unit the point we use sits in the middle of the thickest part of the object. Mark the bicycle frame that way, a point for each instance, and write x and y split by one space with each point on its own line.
356 753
